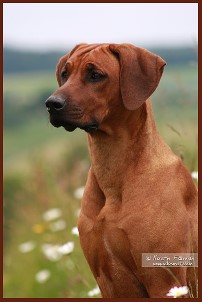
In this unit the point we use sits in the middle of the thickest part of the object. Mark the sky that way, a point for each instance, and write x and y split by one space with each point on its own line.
49 26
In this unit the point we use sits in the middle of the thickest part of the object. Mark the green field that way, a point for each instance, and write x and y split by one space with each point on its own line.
44 166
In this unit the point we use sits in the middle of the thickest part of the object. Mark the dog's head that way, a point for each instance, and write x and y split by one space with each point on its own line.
96 80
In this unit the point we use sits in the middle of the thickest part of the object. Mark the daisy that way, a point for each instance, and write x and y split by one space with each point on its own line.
177 292
52 214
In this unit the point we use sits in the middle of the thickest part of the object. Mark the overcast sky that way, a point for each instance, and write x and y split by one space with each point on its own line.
58 26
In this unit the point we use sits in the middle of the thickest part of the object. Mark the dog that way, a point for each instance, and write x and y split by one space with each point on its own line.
139 198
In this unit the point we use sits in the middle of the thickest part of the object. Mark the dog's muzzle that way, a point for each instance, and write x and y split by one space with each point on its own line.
67 116
56 106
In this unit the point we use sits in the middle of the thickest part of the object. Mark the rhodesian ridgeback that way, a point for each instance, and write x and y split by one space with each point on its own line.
139 197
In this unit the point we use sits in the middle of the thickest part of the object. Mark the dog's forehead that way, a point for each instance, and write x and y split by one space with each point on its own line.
99 55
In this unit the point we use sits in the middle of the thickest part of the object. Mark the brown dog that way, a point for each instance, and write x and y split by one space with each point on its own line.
139 198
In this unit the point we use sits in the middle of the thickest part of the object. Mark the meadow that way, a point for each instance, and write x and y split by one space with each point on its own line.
45 170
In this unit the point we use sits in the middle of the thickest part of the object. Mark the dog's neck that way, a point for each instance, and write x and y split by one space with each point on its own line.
118 144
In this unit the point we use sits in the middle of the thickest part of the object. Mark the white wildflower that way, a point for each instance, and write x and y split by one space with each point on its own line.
194 175
177 292
42 276
51 252
94 292
55 252
57 225
52 214
78 193
27 246
75 231
66 248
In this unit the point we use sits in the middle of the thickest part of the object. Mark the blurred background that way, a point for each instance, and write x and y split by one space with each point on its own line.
45 169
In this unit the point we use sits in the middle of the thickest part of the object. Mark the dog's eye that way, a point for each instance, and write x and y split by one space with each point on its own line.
64 75
96 76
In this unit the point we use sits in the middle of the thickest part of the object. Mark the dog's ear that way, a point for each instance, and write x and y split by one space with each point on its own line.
63 61
140 73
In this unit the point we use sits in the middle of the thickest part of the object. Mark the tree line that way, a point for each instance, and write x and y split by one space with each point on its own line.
15 61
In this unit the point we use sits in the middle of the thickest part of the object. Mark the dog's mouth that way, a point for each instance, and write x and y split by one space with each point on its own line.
92 127
71 126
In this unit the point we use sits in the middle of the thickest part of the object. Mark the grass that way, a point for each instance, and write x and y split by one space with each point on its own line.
43 167
34 194
28 84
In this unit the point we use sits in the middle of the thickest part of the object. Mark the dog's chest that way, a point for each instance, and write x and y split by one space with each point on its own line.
105 245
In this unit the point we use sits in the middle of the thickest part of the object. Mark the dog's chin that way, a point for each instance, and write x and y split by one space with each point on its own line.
71 126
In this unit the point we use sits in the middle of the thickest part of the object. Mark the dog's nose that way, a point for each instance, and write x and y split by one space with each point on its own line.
54 103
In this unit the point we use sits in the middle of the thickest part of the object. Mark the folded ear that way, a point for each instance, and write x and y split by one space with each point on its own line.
140 73
63 61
